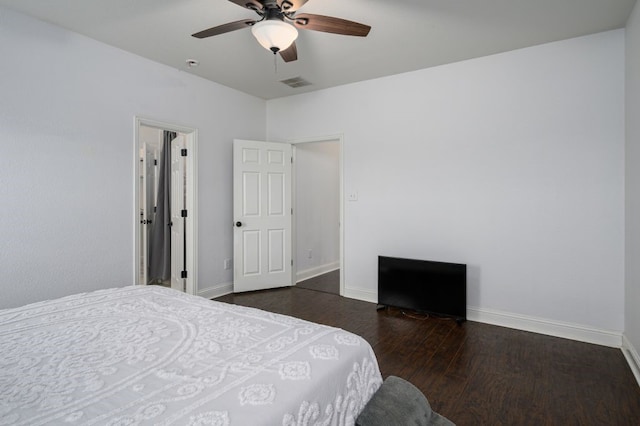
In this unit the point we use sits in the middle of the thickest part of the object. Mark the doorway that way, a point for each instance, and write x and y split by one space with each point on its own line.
318 214
267 250
165 205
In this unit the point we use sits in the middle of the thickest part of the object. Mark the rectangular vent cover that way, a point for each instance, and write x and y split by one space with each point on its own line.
296 82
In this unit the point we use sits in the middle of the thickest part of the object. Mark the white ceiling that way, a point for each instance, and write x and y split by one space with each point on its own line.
406 35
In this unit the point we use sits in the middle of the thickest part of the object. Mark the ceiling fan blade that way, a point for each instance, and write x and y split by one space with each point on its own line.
329 24
224 28
290 53
290 5
249 4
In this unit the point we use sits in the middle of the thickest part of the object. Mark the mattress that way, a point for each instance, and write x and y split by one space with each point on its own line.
150 355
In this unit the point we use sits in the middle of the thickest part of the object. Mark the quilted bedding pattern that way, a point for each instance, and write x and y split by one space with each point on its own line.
149 355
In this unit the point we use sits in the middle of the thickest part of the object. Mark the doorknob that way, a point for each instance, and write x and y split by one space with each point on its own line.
238 224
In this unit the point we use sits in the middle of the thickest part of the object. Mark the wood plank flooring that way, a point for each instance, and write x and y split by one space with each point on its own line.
328 283
474 373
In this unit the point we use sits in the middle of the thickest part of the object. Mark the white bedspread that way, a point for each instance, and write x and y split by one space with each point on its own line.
150 355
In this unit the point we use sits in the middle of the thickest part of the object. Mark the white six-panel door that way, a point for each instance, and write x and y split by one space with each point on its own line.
262 215
148 196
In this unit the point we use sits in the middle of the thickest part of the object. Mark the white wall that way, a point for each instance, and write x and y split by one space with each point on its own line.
67 158
512 163
317 208
632 295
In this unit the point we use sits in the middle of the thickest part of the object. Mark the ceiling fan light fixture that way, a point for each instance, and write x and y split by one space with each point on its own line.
274 35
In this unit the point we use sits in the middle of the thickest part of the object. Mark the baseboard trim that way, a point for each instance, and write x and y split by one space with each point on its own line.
217 291
361 294
544 326
526 323
631 354
318 270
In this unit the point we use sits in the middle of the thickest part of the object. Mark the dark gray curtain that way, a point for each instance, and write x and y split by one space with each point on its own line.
160 235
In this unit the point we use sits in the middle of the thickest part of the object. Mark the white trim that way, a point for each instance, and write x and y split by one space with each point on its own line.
318 270
217 291
360 294
340 139
192 206
192 197
545 326
631 354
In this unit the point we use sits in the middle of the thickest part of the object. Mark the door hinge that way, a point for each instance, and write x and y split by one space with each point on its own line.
183 274
291 159
291 262
183 152
183 213
291 211
155 162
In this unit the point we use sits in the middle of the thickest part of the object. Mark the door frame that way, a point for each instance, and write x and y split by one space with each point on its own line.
331 138
191 136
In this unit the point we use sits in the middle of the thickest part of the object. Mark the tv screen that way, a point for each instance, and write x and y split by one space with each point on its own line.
423 286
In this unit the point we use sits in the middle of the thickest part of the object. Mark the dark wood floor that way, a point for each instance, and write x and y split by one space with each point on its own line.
478 374
328 283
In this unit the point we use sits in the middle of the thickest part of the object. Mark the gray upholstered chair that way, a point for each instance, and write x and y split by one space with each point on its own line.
400 403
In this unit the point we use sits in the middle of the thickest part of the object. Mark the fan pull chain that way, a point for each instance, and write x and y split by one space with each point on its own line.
275 63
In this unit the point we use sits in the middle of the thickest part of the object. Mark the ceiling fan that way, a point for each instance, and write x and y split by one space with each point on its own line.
276 30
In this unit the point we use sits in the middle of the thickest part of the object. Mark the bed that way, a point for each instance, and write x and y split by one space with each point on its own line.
150 355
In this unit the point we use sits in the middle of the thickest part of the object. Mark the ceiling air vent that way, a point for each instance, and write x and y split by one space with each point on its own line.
296 82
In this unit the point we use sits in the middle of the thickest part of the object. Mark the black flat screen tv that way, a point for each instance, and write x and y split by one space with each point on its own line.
423 286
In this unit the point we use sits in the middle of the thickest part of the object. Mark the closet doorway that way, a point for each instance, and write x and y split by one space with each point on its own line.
318 212
165 205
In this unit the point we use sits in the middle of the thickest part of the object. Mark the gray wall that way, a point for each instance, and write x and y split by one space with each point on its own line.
67 158
511 163
317 182
632 295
